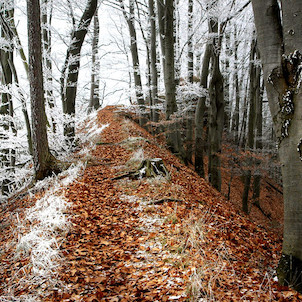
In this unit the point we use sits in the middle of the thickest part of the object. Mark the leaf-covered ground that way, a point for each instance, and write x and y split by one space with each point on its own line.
144 240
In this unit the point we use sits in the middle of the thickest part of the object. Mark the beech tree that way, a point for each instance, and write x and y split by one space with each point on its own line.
173 137
278 25
44 162
153 61
71 67
130 18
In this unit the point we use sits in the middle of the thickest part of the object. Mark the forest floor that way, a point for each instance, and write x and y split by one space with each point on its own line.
160 239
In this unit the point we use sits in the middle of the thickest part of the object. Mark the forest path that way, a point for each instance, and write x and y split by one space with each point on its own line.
115 249
122 245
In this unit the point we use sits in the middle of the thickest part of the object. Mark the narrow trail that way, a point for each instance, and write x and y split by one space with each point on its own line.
122 245
110 252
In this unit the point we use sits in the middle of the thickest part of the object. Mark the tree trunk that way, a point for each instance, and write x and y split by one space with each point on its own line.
44 162
161 29
216 114
199 114
153 61
235 117
7 155
173 136
190 42
242 135
69 82
46 43
189 118
94 102
227 99
259 146
280 44
135 59
254 94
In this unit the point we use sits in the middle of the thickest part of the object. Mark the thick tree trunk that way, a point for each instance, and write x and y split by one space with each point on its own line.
69 82
199 114
216 115
44 162
280 47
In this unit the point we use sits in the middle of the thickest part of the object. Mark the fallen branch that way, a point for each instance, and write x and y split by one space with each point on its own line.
161 201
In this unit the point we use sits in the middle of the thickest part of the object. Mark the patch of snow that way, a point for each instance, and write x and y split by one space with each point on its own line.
49 220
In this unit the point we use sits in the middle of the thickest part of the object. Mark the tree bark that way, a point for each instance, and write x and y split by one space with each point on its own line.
190 42
7 155
216 113
44 162
235 117
153 61
254 94
46 45
161 30
173 136
135 59
69 81
280 45
189 118
199 115
94 102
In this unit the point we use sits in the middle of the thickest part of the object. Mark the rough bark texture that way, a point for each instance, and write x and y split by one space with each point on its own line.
280 44
69 81
44 162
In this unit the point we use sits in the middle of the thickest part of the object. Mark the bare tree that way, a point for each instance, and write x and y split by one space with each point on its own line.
44 162
71 67
130 18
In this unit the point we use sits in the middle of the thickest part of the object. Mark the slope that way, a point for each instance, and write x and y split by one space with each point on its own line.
159 239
